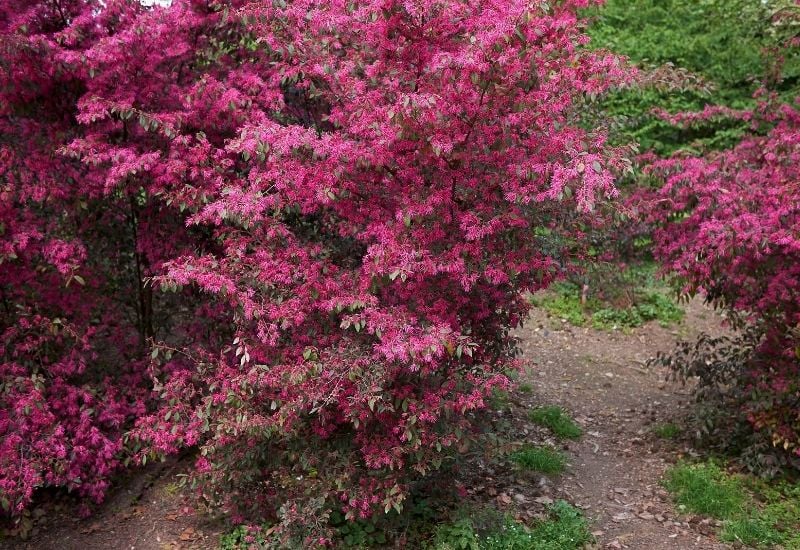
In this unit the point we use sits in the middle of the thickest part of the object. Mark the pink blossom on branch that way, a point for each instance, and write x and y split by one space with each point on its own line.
728 224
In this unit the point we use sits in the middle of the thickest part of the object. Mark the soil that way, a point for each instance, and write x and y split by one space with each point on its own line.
614 475
602 379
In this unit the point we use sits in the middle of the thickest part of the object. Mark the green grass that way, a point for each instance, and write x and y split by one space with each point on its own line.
705 489
539 459
754 512
651 306
525 388
667 430
564 529
557 421
751 530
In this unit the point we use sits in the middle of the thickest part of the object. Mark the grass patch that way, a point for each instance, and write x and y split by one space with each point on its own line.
557 421
564 529
668 430
539 459
525 388
705 489
753 531
755 512
648 298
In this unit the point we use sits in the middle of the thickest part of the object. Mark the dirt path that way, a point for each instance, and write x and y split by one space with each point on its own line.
615 471
617 465
147 511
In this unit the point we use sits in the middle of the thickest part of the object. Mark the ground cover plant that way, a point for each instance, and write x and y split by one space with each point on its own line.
625 301
667 430
754 513
565 528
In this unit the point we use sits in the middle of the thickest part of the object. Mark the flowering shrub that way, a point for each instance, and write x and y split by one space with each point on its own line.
339 201
80 233
731 228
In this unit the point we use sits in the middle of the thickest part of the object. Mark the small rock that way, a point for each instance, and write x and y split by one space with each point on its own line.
622 516
543 500
646 516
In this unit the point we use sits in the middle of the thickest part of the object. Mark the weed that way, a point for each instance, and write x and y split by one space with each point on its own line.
564 302
525 388
557 421
172 489
564 529
540 459
242 537
668 430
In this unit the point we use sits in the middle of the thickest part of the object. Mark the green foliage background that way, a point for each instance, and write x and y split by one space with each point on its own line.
730 44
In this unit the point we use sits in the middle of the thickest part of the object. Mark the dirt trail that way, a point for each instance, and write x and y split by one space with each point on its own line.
614 476
617 465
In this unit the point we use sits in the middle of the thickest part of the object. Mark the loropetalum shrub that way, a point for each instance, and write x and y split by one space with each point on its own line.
730 227
86 103
338 201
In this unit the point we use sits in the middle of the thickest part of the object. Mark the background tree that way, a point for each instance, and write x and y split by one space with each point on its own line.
694 54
